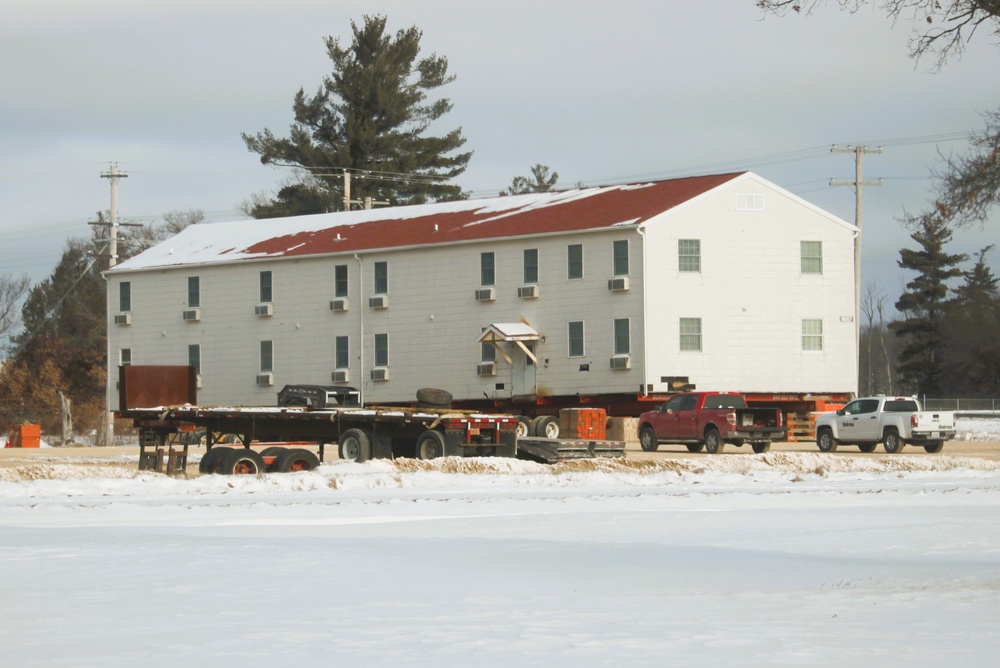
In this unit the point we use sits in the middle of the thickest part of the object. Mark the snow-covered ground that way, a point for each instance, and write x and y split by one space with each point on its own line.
777 559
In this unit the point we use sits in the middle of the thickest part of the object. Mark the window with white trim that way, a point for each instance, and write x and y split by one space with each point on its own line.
812 334
749 201
576 338
194 357
574 261
265 287
341 352
811 256
381 350
690 334
125 296
622 343
125 357
266 356
530 265
340 280
689 255
619 257
487 269
381 278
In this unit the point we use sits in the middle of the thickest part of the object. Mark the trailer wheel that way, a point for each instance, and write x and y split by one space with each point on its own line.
430 445
274 451
695 447
891 441
935 447
867 447
647 439
242 461
210 459
355 446
547 427
761 448
297 459
713 441
825 440
523 426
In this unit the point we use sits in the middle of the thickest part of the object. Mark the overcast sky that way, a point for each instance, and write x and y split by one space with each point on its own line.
600 92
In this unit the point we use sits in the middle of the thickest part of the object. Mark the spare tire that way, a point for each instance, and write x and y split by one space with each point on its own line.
429 397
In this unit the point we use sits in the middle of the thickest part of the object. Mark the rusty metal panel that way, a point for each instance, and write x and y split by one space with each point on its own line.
152 386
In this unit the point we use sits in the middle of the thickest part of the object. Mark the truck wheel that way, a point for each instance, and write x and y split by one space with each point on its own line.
242 461
355 446
891 441
547 427
825 440
935 447
430 445
523 426
297 459
211 459
695 447
713 441
647 439
761 448
866 447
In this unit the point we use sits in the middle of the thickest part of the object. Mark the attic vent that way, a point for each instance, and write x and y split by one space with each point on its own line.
619 284
749 201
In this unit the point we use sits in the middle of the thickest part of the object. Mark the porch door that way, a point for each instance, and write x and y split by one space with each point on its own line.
523 377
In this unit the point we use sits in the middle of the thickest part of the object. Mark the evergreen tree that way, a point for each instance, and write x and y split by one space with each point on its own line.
540 181
924 306
973 334
371 117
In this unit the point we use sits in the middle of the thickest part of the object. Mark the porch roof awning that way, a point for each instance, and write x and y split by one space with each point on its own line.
511 332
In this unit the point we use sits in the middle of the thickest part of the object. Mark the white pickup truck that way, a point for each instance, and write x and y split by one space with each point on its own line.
893 421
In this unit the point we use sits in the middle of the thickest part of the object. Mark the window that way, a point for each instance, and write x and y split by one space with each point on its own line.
620 257
749 201
381 350
265 287
125 296
381 278
622 346
125 357
266 356
341 352
531 265
861 407
194 357
689 255
194 292
691 334
811 253
487 269
340 280
489 353
812 335
576 339
574 261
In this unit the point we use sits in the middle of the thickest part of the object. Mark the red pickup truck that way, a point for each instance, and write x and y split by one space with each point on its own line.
709 420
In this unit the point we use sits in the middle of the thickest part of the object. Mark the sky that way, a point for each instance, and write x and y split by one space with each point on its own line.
600 92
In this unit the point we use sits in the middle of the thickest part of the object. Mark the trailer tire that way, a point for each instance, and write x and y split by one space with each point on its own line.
891 441
355 446
867 447
547 427
935 447
647 439
296 459
713 441
430 445
825 440
695 447
242 461
523 426
760 448
210 459
429 397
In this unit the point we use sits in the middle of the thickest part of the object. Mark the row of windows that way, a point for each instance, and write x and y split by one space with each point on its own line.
688 261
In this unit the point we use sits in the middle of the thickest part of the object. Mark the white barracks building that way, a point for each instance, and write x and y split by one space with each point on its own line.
607 295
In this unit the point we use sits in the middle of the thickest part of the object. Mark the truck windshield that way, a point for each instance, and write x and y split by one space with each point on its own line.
725 401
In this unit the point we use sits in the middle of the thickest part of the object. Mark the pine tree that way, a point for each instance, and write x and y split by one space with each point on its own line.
540 181
973 334
370 117
924 305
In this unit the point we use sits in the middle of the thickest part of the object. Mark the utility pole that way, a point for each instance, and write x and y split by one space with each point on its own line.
113 175
858 183
366 202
